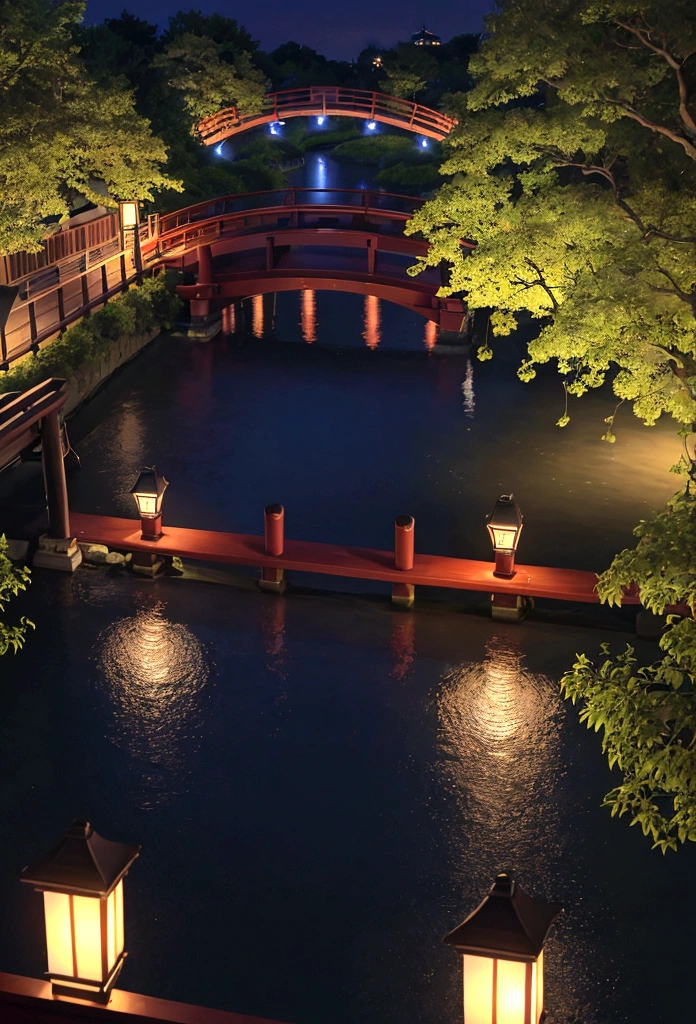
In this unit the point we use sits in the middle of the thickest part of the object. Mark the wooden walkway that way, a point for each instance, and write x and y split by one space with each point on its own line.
336 560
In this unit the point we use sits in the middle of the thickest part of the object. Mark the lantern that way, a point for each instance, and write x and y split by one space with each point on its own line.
502 945
505 527
129 215
82 885
148 491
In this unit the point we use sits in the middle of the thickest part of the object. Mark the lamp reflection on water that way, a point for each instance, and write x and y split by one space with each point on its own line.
371 333
257 326
500 734
500 747
308 321
155 673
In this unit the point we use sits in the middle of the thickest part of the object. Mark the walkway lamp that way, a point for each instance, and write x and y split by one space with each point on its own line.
505 527
148 491
502 946
82 884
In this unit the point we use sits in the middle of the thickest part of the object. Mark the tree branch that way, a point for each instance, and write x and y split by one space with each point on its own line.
676 65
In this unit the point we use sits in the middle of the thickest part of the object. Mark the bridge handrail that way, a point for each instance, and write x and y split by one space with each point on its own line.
180 218
330 99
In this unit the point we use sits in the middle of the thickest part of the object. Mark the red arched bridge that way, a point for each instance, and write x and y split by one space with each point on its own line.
325 100
323 239
237 246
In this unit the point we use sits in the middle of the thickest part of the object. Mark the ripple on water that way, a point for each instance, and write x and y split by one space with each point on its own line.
500 754
155 673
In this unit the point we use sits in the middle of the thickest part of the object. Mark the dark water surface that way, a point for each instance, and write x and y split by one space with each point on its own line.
323 785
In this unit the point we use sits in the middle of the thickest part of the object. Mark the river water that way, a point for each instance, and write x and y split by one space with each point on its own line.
324 785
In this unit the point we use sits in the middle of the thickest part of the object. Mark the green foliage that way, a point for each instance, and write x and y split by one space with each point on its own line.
12 580
418 177
647 717
409 70
63 138
153 304
209 80
377 150
582 206
663 563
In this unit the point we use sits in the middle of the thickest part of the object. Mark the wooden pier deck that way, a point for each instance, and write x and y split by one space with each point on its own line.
335 560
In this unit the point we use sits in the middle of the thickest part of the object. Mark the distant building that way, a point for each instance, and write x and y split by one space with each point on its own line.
425 38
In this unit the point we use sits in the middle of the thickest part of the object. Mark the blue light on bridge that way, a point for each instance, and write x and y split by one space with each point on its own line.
424 143
321 119
275 126
371 126
218 149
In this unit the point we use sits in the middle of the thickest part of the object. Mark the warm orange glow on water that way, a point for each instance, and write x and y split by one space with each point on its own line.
403 644
257 316
229 319
371 334
500 744
309 316
430 335
154 672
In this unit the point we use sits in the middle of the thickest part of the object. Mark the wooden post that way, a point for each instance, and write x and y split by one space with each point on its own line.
274 540
404 594
54 476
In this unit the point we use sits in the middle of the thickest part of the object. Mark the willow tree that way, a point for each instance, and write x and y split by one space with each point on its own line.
573 170
63 139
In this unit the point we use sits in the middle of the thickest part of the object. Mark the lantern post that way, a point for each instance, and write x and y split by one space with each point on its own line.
148 492
505 527
502 945
82 884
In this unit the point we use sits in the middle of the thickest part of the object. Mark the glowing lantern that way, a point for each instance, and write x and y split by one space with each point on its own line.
502 945
82 885
148 491
505 527
129 214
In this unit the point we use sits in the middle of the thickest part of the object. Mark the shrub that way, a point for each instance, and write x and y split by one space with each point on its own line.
153 304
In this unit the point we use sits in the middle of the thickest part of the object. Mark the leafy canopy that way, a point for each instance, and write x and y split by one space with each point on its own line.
12 581
62 137
574 170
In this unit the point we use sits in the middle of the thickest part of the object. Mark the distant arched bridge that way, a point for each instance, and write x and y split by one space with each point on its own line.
325 100
323 239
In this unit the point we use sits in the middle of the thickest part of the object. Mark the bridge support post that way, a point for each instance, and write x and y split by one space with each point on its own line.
57 549
404 594
204 324
274 540
510 607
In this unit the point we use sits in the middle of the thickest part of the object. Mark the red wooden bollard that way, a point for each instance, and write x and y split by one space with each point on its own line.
404 541
274 529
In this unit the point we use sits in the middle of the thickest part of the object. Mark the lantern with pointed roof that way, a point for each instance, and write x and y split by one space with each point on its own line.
502 943
82 884
148 492
505 527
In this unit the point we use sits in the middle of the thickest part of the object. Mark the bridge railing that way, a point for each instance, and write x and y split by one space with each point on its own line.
290 197
327 100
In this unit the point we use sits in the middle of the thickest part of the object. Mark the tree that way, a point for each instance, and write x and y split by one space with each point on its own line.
573 170
648 715
582 206
61 136
12 580
208 82
408 70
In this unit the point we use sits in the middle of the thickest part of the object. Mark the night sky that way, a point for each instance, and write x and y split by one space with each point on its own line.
339 30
